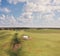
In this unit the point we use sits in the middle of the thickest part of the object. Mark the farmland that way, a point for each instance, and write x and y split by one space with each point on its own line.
42 43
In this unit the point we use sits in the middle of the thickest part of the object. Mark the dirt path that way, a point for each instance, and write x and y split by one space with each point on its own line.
16 47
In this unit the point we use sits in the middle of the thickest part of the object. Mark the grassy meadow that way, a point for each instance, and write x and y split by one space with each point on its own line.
45 42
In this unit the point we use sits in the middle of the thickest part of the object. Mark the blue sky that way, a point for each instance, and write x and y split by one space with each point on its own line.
30 13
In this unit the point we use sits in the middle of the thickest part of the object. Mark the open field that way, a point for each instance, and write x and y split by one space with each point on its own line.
42 43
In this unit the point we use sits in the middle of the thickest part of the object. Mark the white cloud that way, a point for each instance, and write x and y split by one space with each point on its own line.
0 0
2 17
43 7
42 2
49 20
6 20
30 6
48 17
57 2
15 1
6 10
27 19
11 21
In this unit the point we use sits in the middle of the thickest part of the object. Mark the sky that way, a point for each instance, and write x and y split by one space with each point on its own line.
30 13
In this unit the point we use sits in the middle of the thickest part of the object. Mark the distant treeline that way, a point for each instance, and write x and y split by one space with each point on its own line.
24 28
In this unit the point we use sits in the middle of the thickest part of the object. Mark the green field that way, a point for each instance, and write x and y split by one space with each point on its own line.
42 43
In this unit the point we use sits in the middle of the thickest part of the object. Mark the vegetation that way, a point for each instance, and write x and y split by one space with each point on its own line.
15 46
45 42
